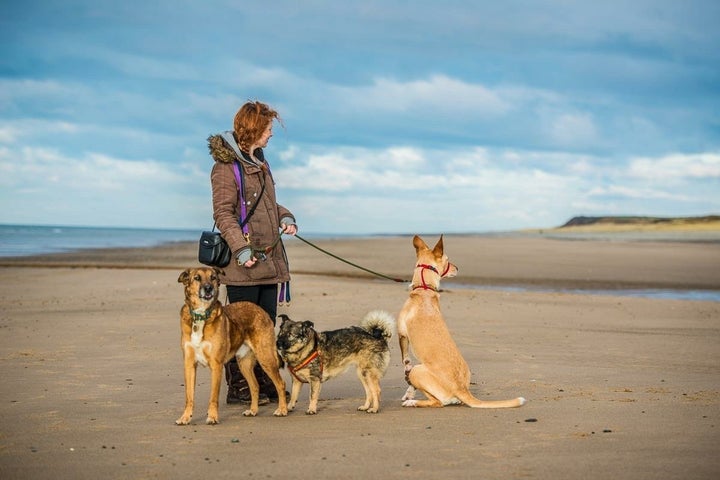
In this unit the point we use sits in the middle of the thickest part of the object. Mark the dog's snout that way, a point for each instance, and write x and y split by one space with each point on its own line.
207 290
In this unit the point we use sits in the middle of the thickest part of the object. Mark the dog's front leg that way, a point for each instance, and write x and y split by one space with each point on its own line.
189 373
216 372
314 396
294 393
410 392
405 351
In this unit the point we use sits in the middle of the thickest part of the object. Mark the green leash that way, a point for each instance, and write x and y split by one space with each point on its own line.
348 262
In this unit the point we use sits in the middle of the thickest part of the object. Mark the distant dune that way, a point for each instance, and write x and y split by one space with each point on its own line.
639 223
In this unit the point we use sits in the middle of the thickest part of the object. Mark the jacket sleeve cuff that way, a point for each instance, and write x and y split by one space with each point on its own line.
287 221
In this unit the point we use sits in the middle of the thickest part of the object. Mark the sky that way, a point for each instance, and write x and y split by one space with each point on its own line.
398 116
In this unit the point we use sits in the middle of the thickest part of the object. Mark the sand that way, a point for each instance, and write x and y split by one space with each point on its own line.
618 387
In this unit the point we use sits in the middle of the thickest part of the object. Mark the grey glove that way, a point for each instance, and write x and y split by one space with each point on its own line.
243 255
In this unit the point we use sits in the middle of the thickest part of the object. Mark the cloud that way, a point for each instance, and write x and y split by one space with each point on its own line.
43 186
573 129
350 168
380 111
475 187
12 89
141 65
450 190
620 191
25 129
436 93
677 166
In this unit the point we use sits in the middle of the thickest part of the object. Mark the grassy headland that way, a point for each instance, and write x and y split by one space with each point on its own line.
640 224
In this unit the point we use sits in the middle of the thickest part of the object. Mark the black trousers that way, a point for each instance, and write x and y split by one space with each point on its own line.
265 296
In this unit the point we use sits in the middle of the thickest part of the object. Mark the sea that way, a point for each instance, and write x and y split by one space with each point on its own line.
26 240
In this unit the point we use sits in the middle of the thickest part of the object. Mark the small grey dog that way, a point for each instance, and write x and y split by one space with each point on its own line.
314 357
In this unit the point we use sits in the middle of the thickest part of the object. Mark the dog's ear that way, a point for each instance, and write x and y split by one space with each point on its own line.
438 250
283 318
308 324
184 276
419 244
219 271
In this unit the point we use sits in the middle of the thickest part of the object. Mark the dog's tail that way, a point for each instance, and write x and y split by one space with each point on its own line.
379 323
468 399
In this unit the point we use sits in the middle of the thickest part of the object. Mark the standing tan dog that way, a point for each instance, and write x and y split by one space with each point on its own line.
212 334
443 376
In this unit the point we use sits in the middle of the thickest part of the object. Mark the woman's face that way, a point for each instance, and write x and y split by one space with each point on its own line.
265 137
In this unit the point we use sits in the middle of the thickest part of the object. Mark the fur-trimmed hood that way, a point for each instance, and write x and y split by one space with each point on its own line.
224 149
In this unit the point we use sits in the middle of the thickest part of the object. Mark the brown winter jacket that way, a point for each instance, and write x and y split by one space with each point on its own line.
264 224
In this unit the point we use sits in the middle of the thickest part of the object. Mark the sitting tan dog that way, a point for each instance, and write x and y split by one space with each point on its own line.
212 334
443 376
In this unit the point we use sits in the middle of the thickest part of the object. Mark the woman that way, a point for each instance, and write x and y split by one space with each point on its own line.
259 262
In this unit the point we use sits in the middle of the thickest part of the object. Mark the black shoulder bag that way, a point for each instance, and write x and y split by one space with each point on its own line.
213 250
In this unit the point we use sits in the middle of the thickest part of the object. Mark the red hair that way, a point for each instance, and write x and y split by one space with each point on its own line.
251 121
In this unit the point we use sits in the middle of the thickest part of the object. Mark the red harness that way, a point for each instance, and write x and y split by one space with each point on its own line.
314 355
423 267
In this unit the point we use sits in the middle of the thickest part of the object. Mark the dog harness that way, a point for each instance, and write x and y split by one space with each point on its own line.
315 354
423 267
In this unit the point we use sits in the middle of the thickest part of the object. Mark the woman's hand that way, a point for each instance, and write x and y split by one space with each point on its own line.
246 254
250 262
289 229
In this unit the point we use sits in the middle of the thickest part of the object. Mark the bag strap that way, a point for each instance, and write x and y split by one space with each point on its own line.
241 198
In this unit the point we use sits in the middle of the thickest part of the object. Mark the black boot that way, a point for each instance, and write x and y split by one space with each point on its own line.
267 387
238 388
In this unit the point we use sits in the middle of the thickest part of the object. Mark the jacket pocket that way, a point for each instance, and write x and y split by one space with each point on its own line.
262 270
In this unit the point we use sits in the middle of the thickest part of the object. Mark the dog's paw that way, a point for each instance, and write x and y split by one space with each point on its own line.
250 413
311 412
184 420
409 403
210 420
280 412
409 393
370 410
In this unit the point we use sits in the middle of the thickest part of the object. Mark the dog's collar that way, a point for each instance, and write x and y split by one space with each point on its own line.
425 286
201 316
